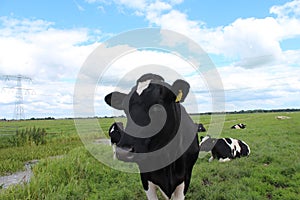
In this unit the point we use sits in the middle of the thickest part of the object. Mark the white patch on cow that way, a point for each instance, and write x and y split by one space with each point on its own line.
224 159
142 86
151 192
237 127
178 194
234 146
203 140
211 159
112 129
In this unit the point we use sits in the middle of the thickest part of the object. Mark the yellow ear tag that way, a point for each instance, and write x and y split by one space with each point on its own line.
179 96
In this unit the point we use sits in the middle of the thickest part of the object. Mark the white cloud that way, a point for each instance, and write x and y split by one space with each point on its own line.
131 66
251 38
174 2
177 21
131 4
40 51
243 39
257 42
135 4
13 26
270 87
51 57
154 10
122 76
291 8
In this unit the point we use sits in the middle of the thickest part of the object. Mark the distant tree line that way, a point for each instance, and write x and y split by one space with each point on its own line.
205 113
32 118
45 118
250 111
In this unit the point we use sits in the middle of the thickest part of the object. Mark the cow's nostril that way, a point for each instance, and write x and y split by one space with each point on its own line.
129 149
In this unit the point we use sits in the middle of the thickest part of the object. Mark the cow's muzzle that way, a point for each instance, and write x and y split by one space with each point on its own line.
125 154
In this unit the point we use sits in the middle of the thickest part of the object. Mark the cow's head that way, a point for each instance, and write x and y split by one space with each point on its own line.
153 115
242 125
207 143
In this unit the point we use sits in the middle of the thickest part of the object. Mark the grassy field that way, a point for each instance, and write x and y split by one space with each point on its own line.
272 171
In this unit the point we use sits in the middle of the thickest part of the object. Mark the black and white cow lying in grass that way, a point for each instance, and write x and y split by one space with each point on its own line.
224 149
238 126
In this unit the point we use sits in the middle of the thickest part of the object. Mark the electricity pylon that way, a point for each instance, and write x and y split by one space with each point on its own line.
19 108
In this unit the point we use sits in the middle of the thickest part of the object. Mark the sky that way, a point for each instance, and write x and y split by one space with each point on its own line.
253 44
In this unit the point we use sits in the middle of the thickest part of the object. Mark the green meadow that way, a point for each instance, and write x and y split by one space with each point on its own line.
66 170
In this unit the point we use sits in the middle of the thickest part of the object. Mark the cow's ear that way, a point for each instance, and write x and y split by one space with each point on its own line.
115 100
181 89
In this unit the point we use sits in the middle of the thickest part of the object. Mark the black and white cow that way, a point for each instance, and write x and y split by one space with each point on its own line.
224 149
238 126
159 135
201 128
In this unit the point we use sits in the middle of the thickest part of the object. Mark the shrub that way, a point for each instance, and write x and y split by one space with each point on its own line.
29 136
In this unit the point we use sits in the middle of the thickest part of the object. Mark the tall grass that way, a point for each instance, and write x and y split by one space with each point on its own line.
29 136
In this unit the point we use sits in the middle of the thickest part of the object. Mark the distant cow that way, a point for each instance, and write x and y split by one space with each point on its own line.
159 135
283 117
238 126
224 149
201 128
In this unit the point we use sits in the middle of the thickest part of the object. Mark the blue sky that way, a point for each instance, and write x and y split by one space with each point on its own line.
76 13
254 44
115 17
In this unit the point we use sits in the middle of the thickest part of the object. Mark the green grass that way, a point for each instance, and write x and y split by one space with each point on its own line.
272 171
61 138
13 159
76 176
